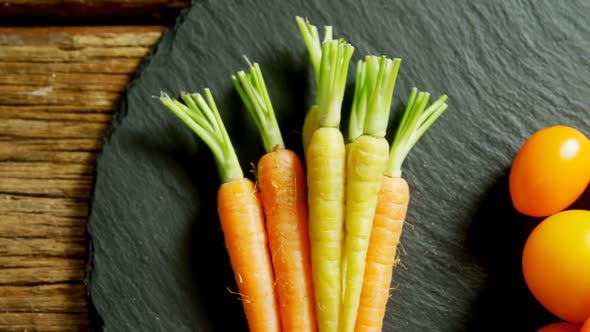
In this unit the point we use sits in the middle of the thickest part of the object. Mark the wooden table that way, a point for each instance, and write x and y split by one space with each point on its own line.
59 87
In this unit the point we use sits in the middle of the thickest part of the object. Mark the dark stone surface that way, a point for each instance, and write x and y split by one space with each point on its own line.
158 262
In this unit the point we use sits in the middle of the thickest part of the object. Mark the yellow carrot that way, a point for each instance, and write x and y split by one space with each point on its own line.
311 38
325 181
325 160
310 124
366 160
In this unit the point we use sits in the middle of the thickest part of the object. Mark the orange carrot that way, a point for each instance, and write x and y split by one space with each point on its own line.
283 190
242 221
390 213
284 196
239 210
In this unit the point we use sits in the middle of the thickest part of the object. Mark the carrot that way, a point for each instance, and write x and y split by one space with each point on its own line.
281 181
390 214
239 210
310 124
392 204
366 160
325 161
311 38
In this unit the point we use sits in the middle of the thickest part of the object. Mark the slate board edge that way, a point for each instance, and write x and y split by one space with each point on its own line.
95 319
503 143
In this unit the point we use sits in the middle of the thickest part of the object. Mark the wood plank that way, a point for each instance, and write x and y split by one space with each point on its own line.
48 95
80 36
41 275
54 247
25 261
52 129
57 34
45 155
22 225
45 170
131 3
90 12
42 217
64 78
69 81
66 150
55 116
58 298
49 144
58 54
50 322
106 66
49 206
39 270
15 109
78 188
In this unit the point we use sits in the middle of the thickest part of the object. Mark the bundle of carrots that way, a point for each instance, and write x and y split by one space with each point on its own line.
313 246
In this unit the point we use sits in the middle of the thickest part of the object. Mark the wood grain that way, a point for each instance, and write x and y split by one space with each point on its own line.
50 322
59 298
58 90
34 12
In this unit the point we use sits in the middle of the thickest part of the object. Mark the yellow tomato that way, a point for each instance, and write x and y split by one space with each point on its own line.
556 264
550 171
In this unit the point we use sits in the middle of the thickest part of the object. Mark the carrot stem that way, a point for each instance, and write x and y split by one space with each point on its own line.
380 102
252 90
311 38
416 120
336 56
312 41
202 116
376 78
330 60
359 105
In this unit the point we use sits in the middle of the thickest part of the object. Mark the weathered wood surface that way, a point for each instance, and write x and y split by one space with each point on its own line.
58 89
57 12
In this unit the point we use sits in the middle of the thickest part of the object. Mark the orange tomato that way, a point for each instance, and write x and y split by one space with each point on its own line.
586 326
556 264
560 327
550 171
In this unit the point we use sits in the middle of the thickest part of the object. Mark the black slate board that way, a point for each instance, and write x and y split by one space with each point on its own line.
157 259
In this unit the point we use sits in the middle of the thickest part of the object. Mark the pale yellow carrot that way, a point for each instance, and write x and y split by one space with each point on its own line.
366 160
325 161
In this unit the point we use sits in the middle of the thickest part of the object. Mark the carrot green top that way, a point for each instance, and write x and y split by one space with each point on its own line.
375 82
330 62
311 38
417 118
254 94
202 116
